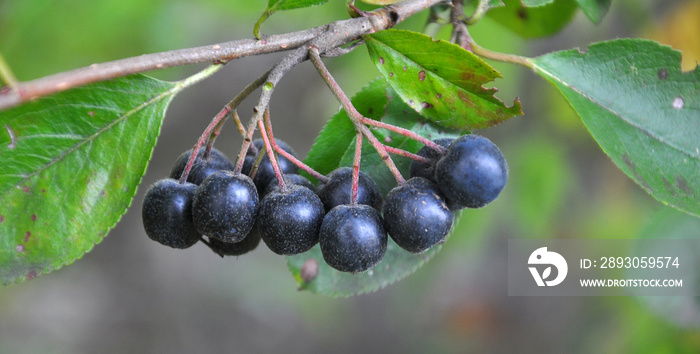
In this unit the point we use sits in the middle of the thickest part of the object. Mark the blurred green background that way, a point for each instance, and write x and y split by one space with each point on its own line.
132 295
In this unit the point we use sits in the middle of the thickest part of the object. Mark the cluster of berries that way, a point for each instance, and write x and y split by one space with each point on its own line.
235 212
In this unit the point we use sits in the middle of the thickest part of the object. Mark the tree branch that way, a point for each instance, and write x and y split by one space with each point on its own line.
334 35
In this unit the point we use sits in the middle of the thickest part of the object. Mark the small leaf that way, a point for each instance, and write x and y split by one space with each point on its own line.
535 3
70 169
534 22
439 80
378 101
277 5
594 9
643 111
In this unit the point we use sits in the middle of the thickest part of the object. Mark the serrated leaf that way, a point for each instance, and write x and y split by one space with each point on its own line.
534 22
439 80
642 110
278 5
381 102
71 168
595 10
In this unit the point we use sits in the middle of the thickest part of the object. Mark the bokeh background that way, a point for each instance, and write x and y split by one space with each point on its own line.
130 294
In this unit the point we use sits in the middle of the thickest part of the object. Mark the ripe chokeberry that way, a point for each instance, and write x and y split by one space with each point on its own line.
265 173
249 243
289 220
167 213
202 167
225 206
473 171
416 215
427 171
353 238
338 190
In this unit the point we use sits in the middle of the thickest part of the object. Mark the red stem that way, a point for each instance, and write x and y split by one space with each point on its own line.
404 153
404 132
202 139
356 168
290 157
271 154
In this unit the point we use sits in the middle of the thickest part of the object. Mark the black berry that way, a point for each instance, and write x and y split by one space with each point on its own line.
202 167
289 221
167 214
338 190
352 238
265 172
424 170
473 171
416 215
244 246
225 205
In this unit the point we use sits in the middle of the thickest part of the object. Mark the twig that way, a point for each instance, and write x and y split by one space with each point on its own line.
356 168
334 35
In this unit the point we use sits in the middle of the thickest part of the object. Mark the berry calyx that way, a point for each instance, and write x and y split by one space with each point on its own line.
289 221
416 215
352 238
473 171
338 190
202 168
225 206
167 213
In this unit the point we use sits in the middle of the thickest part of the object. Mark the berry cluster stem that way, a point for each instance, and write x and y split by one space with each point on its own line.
353 114
271 153
405 132
356 168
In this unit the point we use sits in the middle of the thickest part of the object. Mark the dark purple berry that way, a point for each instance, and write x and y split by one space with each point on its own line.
202 167
427 171
225 205
473 172
416 216
167 213
289 221
352 238
338 190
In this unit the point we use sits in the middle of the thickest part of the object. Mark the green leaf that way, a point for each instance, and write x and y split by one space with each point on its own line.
534 22
381 102
643 111
71 168
535 3
594 9
381 2
439 80
278 5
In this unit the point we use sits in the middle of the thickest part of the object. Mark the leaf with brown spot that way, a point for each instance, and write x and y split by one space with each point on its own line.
68 149
439 80
642 110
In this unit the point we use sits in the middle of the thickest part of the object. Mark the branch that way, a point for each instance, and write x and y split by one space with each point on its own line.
333 36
